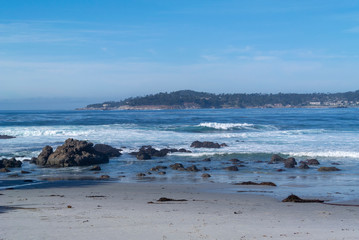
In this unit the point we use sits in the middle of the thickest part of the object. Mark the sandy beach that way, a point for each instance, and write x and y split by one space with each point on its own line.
112 210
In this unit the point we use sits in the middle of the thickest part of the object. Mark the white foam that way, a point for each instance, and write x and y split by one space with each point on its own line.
329 154
226 126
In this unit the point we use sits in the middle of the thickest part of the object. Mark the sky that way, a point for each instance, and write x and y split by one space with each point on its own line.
70 53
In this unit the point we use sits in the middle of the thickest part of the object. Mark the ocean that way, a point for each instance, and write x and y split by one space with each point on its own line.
252 135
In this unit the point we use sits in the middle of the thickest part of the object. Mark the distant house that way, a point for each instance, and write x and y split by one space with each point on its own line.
314 103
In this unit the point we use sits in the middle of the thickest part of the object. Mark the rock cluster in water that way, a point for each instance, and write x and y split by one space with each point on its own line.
205 144
147 152
9 163
75 153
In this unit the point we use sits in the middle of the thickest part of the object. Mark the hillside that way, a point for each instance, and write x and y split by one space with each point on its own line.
187 99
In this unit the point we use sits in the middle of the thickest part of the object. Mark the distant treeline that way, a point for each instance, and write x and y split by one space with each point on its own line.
193 99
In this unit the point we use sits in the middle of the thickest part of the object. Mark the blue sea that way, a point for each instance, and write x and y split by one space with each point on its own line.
252 135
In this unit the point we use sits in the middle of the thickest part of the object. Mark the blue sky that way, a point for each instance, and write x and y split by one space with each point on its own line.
89 51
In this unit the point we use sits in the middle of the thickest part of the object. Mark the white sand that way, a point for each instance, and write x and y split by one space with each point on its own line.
125 214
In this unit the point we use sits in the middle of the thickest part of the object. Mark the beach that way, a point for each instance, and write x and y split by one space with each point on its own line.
113 210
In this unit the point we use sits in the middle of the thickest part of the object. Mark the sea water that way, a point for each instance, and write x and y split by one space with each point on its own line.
252 135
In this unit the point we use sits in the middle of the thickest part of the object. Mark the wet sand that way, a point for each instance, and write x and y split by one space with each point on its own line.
108 210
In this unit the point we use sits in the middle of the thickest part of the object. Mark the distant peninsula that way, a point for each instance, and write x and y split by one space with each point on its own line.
188 99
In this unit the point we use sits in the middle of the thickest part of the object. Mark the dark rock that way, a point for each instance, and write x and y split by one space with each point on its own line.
72 153
206 175
254 183
206 160
232 168
303 166
176 166
164 199
335 163
143 156
276 159
280 170
4 170
44 156
328 169
10 163
235 160
141 175
157 168
184 150
192 168
33 160
25 172
205 169
26 160
223 145
6 137
198 144
104 177
312 162
162 173
294 198
96 168
107 150
290 162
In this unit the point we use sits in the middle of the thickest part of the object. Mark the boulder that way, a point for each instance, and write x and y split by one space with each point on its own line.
198 144
107 150
312 162
44 156
206 175
72 153
328 169
95 168
192 168
10 163
303 166
177 166
290 162
6 137
232 168
143 156
3 170
276 159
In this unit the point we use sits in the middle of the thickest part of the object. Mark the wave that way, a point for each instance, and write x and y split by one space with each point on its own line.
235 126
328 154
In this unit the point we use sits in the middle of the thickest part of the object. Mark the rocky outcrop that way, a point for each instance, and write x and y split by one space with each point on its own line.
311 162
147 152
72 153
232 168
10 163
294 198
205 144
328 169
276 159
290 162
6 137
256 184
107 150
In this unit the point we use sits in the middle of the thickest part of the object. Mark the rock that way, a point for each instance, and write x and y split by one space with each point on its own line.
143 156
104 177
184 150
162 173
25 172
294 198
312 162
232 168
96 168
276 159
205 169
206 160
10 163
33 160
4 170
192 168
164 199
335 163
177 166
280 170
6 137
328 169
141 175
303 166
107 150
290 162
206 175
72 153
198 144
44 156
235 160
157 168
254 183
223 145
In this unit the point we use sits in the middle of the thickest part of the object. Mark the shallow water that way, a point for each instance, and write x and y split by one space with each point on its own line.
252 135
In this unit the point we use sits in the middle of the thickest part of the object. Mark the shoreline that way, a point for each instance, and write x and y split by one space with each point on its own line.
110 210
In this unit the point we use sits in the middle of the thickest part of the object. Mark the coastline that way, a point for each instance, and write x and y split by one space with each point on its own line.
90 210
